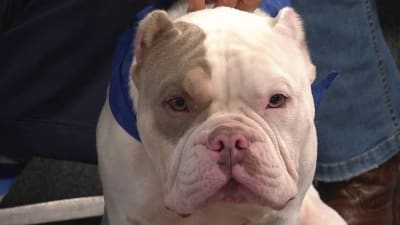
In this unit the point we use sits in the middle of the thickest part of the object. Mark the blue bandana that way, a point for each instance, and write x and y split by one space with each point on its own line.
120 101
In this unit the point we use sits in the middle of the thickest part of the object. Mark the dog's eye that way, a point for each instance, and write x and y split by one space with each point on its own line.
277 101
178 104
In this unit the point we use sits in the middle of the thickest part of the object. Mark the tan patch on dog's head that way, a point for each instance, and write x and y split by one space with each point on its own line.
170 63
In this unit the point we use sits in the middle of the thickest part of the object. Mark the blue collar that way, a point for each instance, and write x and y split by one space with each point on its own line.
121 103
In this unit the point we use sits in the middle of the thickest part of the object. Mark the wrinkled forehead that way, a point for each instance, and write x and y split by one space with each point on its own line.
246 38
228 19
208 38
172 59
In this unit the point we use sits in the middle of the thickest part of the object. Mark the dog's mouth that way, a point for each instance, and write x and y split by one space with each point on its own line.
233 192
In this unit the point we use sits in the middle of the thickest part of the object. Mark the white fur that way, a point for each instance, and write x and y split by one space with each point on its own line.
134 177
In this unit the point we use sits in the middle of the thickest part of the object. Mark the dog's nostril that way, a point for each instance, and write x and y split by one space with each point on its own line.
218 143
235 141
241 143
221 146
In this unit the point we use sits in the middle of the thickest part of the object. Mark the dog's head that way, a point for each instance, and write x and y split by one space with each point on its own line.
224 107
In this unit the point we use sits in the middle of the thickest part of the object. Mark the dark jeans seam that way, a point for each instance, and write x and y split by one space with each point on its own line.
383 76
50 122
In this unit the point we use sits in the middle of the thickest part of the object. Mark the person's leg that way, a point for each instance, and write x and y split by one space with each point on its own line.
359 122
55 63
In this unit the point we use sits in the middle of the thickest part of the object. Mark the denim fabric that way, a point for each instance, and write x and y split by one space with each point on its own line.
358 122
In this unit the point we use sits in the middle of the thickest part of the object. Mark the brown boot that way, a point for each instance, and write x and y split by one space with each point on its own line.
372 198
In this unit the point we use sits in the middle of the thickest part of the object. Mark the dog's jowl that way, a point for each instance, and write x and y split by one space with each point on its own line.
225 114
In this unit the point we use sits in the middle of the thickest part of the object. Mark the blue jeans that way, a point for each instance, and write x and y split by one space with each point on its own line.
55 64
358 122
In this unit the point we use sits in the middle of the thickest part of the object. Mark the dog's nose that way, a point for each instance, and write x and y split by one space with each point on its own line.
230 144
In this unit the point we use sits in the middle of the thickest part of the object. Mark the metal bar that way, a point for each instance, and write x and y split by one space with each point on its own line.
53 211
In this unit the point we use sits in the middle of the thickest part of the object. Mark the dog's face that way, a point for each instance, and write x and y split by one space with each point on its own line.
224 107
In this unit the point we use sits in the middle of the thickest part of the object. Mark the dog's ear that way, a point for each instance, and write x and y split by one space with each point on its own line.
151 27
288 23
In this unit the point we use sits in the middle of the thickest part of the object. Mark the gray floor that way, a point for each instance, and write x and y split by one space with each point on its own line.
46 179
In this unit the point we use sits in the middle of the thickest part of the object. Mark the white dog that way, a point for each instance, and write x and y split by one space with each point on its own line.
225 115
